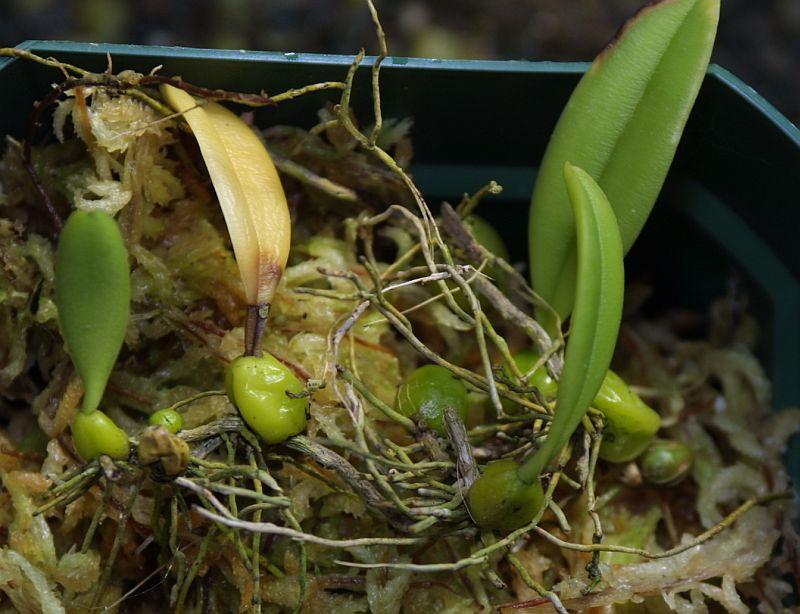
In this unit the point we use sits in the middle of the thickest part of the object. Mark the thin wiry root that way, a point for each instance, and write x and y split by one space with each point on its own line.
273 529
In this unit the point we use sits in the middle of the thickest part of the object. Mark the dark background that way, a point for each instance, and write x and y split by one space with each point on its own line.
759 40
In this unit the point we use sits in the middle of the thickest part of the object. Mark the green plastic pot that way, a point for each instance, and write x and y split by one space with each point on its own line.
731 203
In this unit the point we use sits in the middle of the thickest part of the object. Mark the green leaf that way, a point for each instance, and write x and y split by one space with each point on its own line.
599 286
93 293
622 125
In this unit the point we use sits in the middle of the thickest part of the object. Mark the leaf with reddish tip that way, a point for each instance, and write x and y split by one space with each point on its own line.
622 125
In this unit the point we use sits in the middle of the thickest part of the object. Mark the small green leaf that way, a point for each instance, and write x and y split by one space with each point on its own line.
622 124
598 310
95 434
93 292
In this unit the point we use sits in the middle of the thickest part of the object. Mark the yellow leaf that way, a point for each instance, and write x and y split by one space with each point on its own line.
248 189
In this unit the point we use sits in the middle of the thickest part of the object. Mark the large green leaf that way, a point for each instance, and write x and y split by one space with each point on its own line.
622 125
600 286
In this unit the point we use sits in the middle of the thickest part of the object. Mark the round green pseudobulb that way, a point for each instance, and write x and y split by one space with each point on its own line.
95 434
666 462
92 292
168 418
630 423
539 379
257 386
500 500
425 394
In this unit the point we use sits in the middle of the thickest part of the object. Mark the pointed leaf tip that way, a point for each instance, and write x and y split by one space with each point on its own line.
622 126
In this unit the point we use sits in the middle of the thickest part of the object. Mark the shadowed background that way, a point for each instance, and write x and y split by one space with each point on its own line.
759 40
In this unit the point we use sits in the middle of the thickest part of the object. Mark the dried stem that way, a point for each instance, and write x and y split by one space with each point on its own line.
457 432
254 325
454 225
329 459
308 177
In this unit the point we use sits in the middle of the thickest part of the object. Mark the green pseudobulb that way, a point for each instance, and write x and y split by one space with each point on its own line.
425 394
168 418
666 462
539 379
500 500
257 386
630 424
95 434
